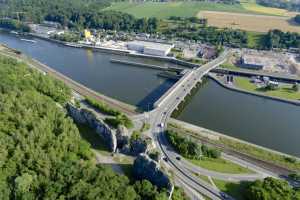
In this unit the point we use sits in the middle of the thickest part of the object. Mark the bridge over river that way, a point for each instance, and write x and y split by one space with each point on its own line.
162 111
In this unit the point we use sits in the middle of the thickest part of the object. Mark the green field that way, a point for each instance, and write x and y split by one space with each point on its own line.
181 9
235 190
284 91
220 165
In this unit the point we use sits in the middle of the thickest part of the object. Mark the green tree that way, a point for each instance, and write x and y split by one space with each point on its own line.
271 189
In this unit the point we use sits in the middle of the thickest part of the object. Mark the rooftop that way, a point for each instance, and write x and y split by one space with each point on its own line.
152 45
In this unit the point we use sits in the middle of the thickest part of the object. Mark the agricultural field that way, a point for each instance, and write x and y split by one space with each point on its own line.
252 6
249 22
167 9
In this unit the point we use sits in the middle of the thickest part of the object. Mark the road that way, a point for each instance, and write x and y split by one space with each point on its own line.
161 114
183 170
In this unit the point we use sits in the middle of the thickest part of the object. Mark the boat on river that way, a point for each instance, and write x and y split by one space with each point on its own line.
27 40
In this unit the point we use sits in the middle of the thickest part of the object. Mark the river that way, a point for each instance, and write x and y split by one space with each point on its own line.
133 85
258 120
262 121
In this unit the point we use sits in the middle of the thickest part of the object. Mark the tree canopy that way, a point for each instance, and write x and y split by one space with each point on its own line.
42 155
271 189
76 14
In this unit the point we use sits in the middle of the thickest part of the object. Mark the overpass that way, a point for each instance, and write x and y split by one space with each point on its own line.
188 81
162 111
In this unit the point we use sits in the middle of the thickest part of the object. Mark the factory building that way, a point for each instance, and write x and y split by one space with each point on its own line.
253 62
150 48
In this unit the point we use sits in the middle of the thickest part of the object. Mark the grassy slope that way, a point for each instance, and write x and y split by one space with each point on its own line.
285 91
236 190
220 165
165 10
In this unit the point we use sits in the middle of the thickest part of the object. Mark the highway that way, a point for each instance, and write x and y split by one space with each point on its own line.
158 119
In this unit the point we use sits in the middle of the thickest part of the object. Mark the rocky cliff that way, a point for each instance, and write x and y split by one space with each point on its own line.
146 168
85 116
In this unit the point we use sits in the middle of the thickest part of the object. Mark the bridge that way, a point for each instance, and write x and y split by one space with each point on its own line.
162 111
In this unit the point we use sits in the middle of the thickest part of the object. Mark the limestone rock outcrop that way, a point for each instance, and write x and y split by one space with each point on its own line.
146 168
85 116
123 136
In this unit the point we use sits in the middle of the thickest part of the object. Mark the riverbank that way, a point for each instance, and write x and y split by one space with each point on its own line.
75 55
112 50
79 88
257 94
261 156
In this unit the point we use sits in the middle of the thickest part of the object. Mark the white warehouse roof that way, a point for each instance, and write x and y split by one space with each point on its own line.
152 45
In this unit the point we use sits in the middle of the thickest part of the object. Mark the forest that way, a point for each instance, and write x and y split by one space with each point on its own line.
282 40
42 153
292 5
75 14
79 14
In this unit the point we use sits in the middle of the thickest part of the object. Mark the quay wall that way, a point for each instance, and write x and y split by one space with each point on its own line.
233 88
247 73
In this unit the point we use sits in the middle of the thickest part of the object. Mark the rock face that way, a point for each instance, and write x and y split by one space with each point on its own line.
146 168
84 116
122 136
138 146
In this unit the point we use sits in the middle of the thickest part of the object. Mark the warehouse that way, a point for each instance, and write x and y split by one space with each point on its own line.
253 62
150 48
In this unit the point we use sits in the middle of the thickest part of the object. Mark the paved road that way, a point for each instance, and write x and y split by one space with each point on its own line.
161 114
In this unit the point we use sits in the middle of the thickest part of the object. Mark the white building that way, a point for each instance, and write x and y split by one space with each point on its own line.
150 48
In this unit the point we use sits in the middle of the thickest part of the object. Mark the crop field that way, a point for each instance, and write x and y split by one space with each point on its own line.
167 9
249 22
252 6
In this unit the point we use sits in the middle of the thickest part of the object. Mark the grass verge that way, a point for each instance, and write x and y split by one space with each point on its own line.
220 165
284 91
203 178
248 149
235 190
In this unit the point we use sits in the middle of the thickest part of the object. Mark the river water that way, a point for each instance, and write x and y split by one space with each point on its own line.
254 119
133 85
258 120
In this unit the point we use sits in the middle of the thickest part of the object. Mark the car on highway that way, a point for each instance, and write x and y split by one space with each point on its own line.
161 125
178 158
224 195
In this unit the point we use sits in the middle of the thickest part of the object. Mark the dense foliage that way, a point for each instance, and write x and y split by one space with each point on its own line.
76 14
293 5
14 25
102 107
271 188
119 118
279 39
59 10
17 76
297 19
67 37
189 148
185 147
42 155
212 35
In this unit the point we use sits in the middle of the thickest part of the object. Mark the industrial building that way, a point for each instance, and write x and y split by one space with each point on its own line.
253 62
150 48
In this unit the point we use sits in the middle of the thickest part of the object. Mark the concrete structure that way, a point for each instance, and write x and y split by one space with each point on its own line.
151 48
253 62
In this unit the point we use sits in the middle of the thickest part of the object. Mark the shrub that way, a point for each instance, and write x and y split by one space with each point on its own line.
102 107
